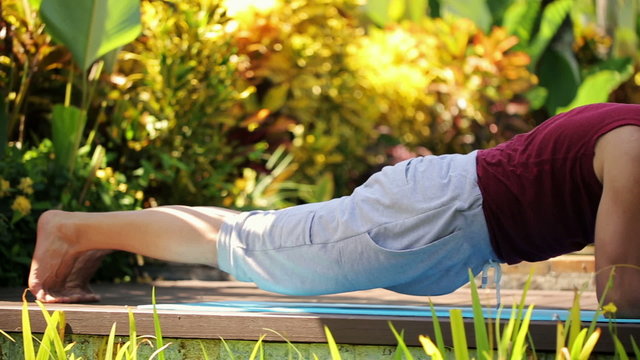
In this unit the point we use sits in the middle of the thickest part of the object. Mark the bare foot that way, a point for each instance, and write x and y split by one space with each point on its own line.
60 270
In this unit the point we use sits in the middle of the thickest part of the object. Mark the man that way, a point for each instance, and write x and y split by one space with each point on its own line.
415 227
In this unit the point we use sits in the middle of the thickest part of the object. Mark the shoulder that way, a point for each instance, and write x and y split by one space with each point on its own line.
618 148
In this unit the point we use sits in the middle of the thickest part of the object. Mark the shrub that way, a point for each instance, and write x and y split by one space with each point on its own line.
306 96
437 83
29 185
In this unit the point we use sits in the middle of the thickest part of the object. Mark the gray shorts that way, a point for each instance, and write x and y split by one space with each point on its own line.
415 228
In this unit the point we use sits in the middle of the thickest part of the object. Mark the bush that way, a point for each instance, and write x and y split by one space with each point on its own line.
438 83
29 185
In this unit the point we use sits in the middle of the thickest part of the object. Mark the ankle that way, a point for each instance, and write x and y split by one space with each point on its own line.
59 225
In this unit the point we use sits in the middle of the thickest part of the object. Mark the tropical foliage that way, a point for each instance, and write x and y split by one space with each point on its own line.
116 105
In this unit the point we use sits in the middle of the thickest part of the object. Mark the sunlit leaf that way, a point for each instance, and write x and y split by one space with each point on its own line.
430 348
597 87
333 347
458 334
589 345
479 324
67 126
91 28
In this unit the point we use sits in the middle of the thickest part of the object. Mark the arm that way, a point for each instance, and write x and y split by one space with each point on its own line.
617 234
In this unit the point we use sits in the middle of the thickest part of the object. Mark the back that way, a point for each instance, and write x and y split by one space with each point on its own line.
540 192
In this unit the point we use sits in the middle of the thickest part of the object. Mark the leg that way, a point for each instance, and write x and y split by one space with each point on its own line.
67 244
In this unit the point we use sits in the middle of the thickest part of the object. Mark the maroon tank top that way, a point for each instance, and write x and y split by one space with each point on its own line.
540 192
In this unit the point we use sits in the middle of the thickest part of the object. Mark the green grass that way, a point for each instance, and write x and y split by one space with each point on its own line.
494 340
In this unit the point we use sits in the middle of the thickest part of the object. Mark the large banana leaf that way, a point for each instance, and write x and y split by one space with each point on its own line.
91 28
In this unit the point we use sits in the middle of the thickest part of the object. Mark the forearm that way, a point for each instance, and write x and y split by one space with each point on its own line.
617 284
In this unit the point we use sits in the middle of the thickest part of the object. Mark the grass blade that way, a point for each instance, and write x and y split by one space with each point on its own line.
620 353
7 336
156 326
257 348
507 336
589 345
133 336
122 352
108 355
578 343
479 324
226 347
459 336
333 347
27 339
559 340
291 346
437 331
159 351
402 346
519 346
54 333
574 323
520 312
636 350
204 351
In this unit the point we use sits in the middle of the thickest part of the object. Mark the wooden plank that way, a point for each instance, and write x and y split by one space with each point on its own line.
98 318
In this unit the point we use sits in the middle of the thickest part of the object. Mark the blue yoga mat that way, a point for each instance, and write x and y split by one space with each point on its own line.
368 309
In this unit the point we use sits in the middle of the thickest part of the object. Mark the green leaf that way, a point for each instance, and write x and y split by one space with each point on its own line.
133 336
477 11
597 87
589 345
620 352
27 339
51 339
437 330
67 126
520 18
479 324
560 75
552 17
156 325
257 348
636 350
333 347
458 334
110 341
537 96
519 346
403 350
91 28
205 356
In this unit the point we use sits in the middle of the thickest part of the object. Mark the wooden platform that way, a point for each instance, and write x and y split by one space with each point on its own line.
98 318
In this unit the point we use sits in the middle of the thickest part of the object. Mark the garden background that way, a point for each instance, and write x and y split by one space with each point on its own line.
120 104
